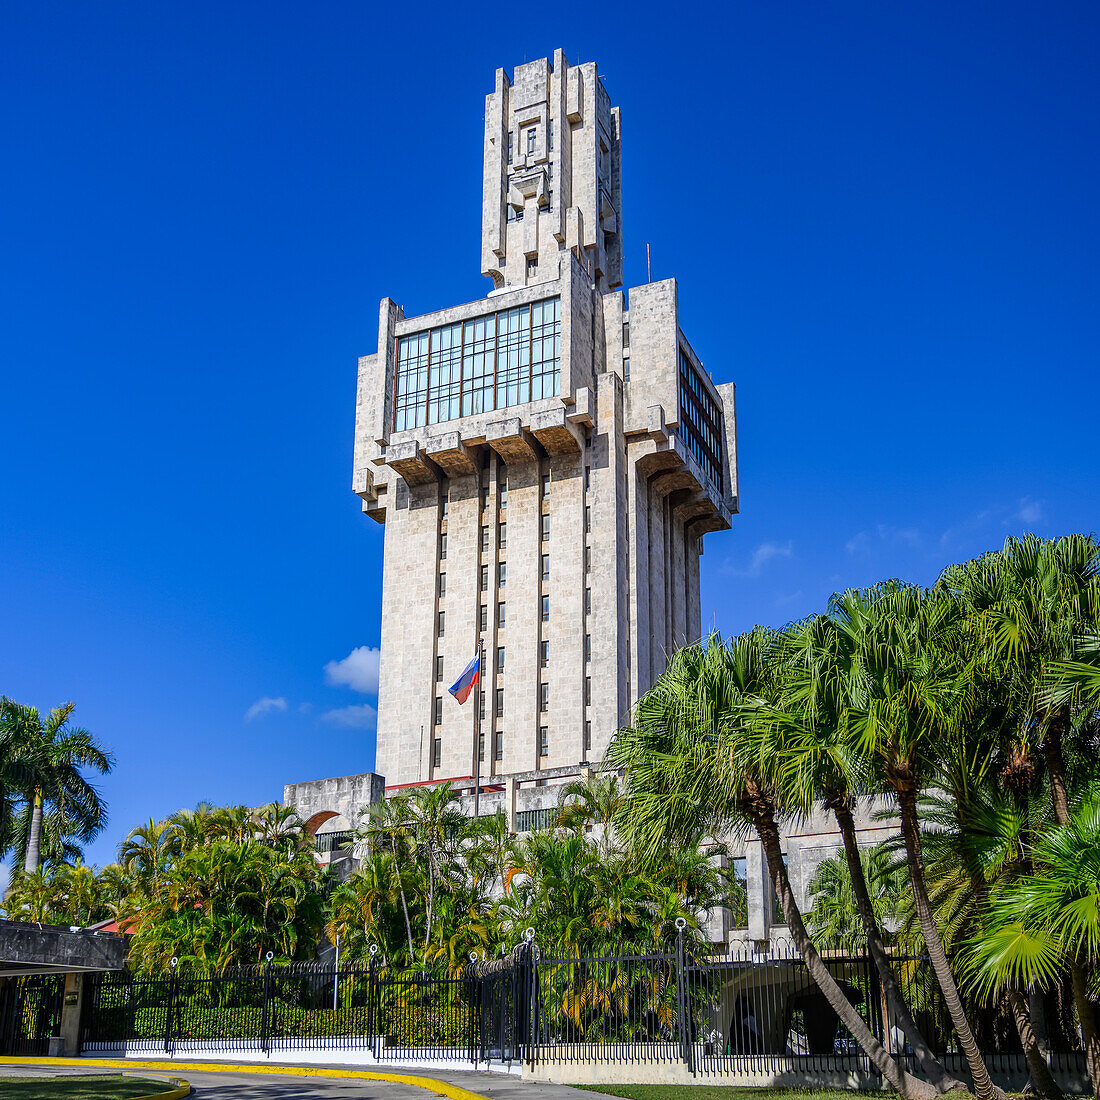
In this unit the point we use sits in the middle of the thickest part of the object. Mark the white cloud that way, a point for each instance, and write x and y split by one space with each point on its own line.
764 553
361 716
1031 510
860 542
358 670
264 706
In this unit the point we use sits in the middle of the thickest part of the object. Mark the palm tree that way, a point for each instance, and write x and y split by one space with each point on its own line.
1033 600
50 756
146 852
437 828
915 695
386 824
592 801
835 916
1049 921
698 754
823 680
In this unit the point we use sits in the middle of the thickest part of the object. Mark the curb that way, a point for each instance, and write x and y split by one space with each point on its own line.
442 1088
182 1088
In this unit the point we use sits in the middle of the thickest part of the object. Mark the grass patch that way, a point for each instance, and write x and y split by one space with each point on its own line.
719 1092
79 1087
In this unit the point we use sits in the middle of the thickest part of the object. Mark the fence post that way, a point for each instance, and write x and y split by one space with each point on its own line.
171 1005
373 1013
687 1051
532 998
267 994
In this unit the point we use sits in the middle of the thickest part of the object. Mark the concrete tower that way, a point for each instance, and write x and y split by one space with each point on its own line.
546 462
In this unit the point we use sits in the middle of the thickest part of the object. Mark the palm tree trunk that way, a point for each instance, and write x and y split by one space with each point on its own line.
909 1087
1056 765
895 1000
907 804
34 837
431 899
1041 1076
404 904
1087 1019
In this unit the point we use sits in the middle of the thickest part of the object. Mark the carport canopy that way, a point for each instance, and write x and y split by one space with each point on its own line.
27 947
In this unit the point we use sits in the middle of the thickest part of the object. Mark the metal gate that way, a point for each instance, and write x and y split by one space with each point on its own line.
30 1013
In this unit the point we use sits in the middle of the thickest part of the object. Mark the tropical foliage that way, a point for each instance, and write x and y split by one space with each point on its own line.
970 710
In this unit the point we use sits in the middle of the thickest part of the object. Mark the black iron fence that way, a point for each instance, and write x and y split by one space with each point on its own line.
30 1013
745 1013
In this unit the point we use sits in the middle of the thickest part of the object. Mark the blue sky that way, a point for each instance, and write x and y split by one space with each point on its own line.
883 219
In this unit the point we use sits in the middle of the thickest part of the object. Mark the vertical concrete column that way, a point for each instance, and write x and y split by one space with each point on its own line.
567 626
510 802
407 669
459 642
71 1007
521 635
758 888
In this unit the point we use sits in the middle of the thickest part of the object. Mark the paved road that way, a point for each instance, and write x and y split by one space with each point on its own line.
258 1086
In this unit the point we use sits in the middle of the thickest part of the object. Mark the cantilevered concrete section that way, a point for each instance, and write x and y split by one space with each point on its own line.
546 461
30 948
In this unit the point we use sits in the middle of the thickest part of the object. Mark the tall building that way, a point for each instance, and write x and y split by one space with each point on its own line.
546 462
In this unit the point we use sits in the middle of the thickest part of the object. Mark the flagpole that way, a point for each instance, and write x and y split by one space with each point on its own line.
477 735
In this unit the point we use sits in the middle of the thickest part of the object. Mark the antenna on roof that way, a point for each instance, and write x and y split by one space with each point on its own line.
648 268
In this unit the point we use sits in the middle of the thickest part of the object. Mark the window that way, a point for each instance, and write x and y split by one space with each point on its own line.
437 751
512 213
588 559
502 536
587 478
442 623
530 141
549 200
550 135
505 358
502 573
588 647
626 368
484 540
544 697
439 670
485 499
443 546
739 892
502 492
545 608
588 691
480 704
500 658
587 518
545 567
545 528
510 143
498 752
544 740
502 613
443 584
626 334
545 485
588 601
499 703
484 578
532 264
587 736
446 507
700 420
544 654
437 711
483 618
481 746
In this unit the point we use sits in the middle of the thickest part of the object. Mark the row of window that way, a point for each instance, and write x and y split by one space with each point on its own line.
544 646
700 421
504 358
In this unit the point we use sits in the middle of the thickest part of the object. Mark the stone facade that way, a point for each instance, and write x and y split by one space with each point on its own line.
558 524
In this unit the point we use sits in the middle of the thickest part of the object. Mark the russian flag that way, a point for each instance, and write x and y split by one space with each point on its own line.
462 687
